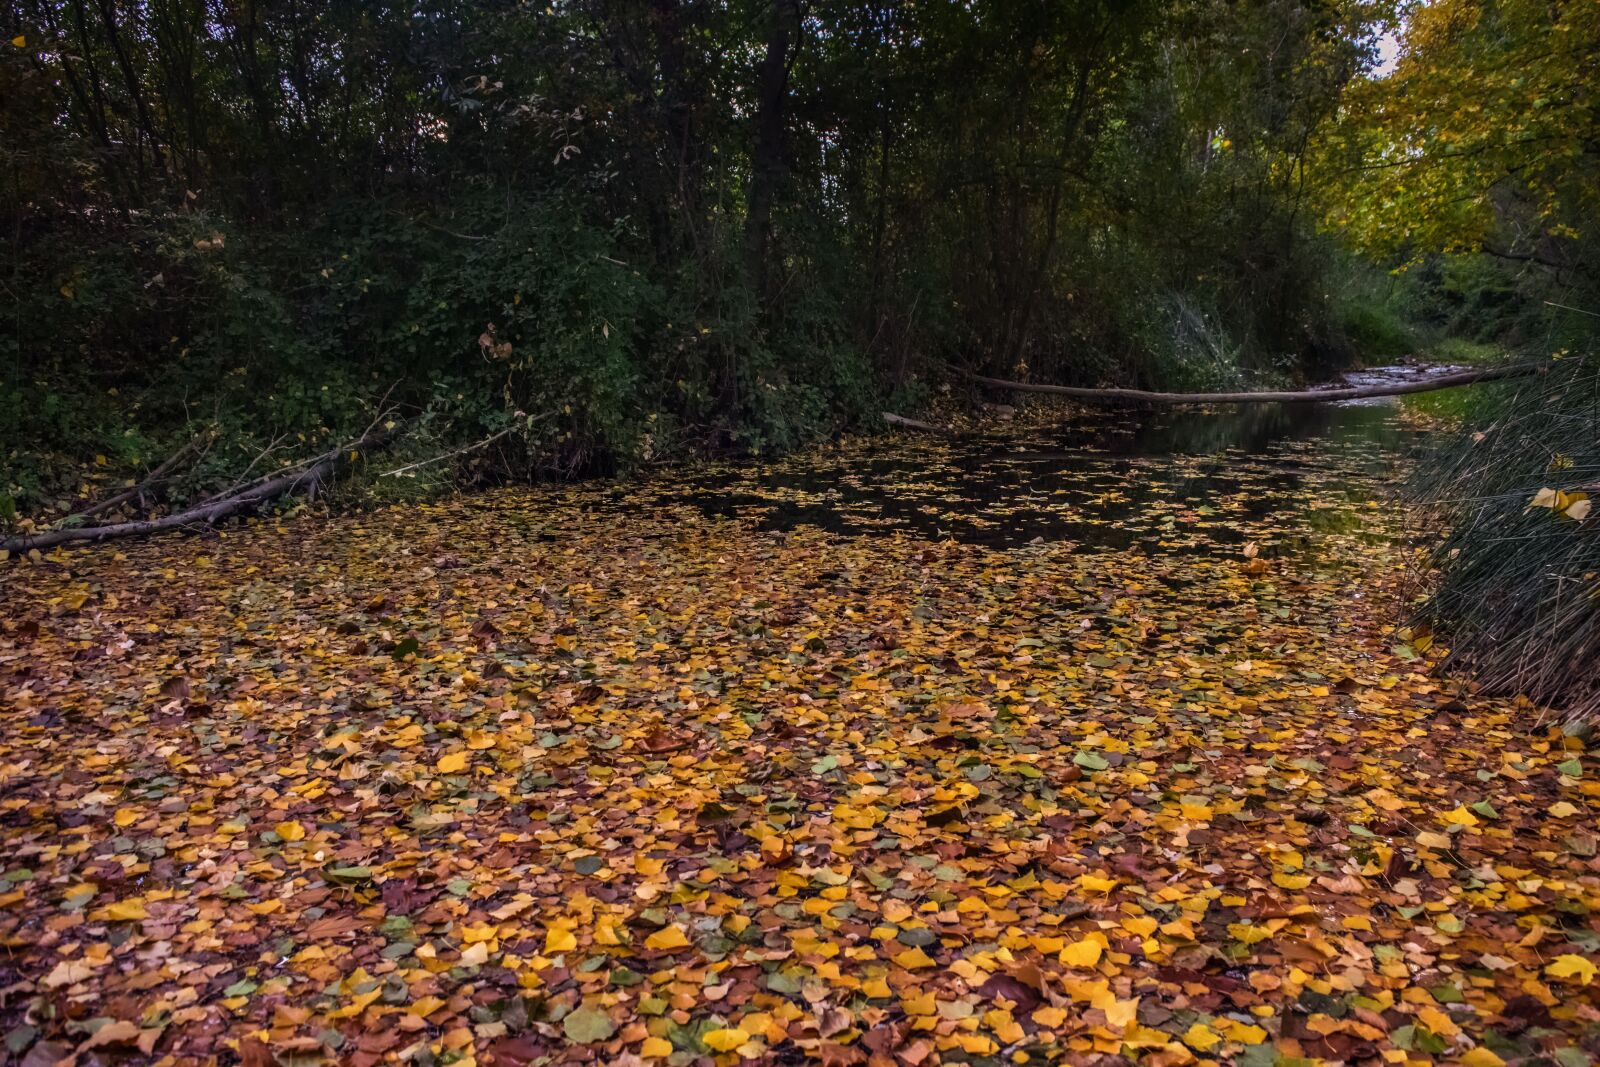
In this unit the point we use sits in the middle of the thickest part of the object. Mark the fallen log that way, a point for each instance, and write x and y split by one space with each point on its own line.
1301 396
306 475
916 424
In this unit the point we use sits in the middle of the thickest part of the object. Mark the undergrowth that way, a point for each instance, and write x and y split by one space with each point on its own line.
1517 593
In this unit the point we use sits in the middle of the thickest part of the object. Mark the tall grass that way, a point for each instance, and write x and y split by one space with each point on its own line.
1517 581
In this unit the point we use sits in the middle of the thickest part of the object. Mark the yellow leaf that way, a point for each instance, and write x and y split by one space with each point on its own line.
1544 498
123 911
1480 1057
1200 1037
1140 925
896 910
290 831
724 1040
452 762
655 1047
1148 1037
478 740
913 958
1578 510
358 1004
1085 953
1245 1034
125 817
668 937
1291 881
425 1006
976 1044
1122 1013
481 932
475 955
19 41
1460 816
1048 1016
1429 839
1247 933
1093 883
1572 966
1561 809
559 939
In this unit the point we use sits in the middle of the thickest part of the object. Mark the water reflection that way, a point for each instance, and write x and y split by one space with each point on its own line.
1164 481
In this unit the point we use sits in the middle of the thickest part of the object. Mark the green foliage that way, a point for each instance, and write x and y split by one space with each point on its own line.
1372 312
1457 351
1481 139
1377 332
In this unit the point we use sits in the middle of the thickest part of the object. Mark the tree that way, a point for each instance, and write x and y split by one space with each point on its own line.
1485 138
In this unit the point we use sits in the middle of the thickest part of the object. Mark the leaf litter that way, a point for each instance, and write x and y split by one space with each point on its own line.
620 775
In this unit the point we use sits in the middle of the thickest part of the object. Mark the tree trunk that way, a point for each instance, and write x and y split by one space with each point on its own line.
768 164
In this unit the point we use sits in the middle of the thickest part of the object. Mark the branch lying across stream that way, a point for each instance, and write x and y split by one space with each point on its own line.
307 475
903 423
1301 396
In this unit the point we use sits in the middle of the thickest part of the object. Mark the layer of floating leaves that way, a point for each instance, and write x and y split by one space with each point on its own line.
594 776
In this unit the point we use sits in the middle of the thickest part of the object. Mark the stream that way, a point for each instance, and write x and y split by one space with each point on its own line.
1172 480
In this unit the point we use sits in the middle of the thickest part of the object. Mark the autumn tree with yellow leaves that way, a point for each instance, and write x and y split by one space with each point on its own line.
1484 138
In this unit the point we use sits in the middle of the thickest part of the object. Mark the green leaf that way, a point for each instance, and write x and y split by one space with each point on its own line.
1091 761
586 1025
779 982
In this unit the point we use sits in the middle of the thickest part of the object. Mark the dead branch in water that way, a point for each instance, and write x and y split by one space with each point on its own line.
1300 396
904 423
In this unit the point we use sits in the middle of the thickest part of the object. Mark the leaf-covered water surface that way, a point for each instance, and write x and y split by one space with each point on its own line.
667 773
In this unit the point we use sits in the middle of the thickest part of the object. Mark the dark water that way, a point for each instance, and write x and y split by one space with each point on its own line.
1161 481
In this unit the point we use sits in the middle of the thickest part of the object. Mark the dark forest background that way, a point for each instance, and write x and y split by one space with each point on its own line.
636 230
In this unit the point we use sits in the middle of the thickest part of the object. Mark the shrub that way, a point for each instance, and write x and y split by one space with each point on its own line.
1517 598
